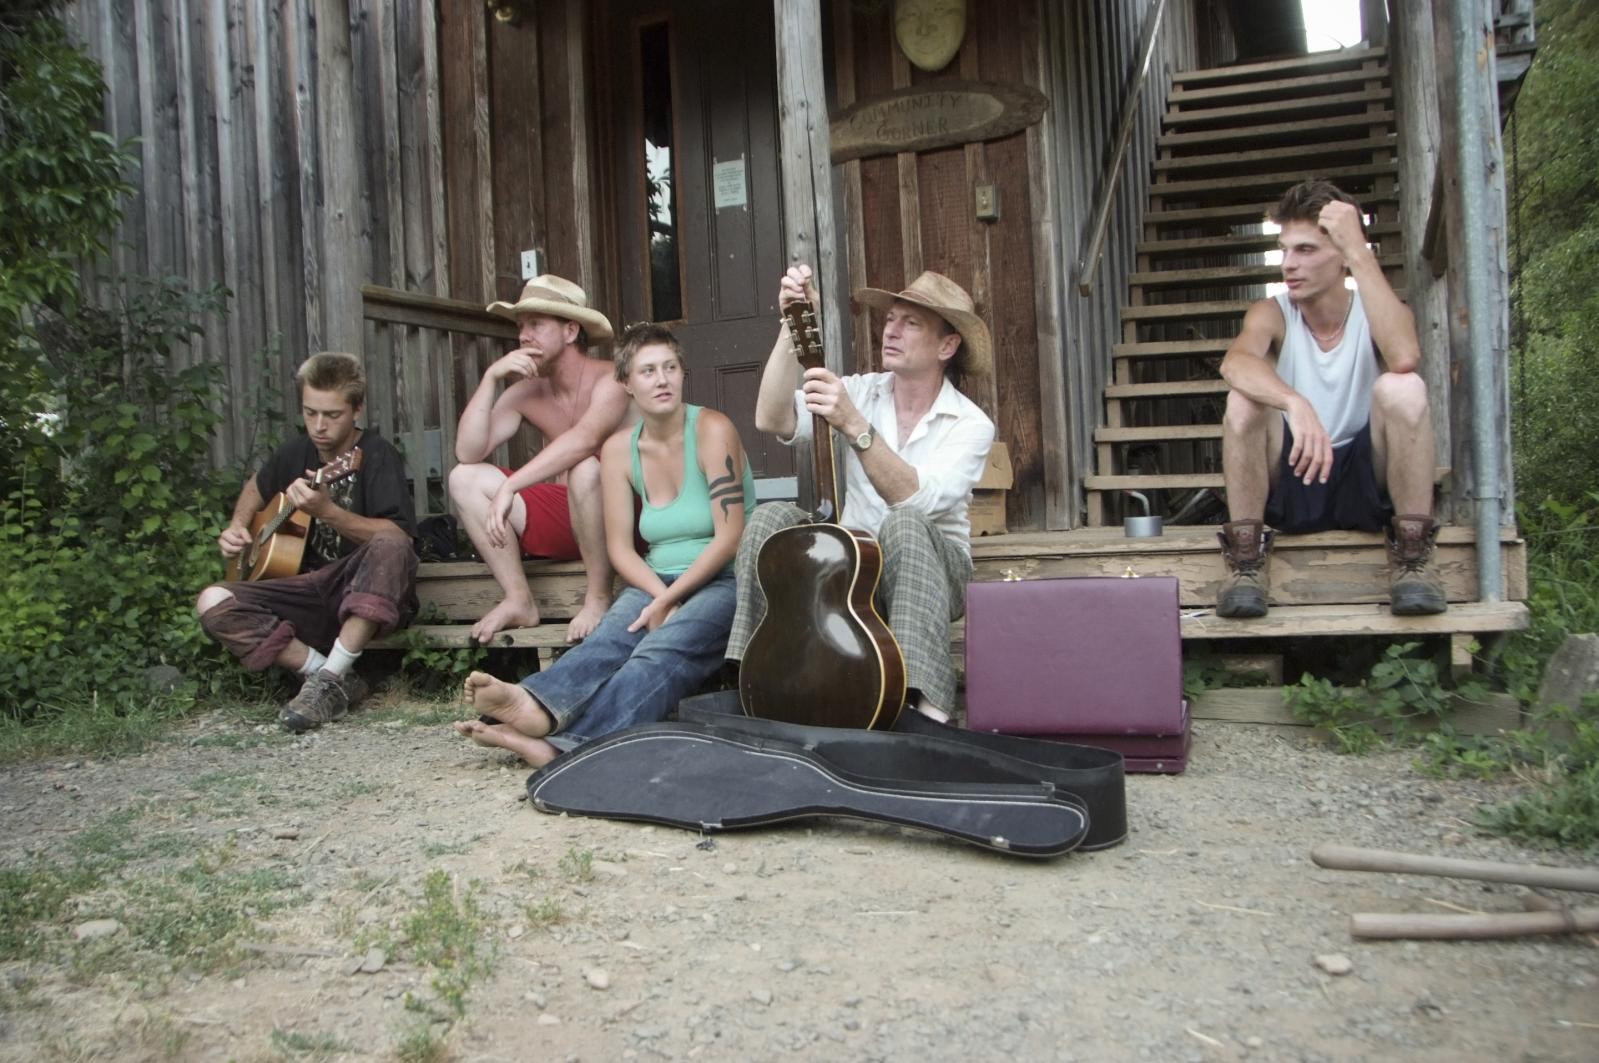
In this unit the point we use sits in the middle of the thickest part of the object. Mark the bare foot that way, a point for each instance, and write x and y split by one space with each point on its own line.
507 614
587 618
535 751
509 703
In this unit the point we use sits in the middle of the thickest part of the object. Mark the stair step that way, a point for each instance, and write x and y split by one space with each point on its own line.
1166 389
1288 131
1372 618
1246 184
1229 275
1307 107
1172 348
1247 212
1157 433
1276 89
1139 482
1313 61
1232 162
1169 311
1323 569
1252 243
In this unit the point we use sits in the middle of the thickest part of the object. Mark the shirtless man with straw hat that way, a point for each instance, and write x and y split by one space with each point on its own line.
550 507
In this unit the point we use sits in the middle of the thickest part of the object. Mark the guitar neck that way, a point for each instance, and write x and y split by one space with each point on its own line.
826 479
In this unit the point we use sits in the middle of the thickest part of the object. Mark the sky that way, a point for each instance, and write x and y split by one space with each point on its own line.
1330 24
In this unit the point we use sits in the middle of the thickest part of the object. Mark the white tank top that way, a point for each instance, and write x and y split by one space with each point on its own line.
1336 383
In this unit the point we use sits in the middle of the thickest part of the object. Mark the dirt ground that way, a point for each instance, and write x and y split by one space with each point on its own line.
395 897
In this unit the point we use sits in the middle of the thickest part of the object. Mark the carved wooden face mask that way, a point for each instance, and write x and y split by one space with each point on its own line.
930 31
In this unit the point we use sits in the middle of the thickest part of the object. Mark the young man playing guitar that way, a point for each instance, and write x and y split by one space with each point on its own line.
357 578
917 449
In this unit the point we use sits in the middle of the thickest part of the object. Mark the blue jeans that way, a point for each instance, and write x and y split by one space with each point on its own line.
617 678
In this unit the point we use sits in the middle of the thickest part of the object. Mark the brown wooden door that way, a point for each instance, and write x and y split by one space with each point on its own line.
698 204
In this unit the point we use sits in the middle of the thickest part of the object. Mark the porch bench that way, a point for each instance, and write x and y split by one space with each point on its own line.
1311 573
454 594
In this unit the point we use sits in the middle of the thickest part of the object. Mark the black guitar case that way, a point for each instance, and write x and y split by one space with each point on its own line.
716 770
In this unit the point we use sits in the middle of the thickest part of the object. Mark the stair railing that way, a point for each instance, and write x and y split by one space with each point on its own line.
1088 261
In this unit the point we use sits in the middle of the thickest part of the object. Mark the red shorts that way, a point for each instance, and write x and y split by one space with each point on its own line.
548 531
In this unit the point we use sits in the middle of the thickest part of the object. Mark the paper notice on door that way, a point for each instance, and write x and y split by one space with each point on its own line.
728 180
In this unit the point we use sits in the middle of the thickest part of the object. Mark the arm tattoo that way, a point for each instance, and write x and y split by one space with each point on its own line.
727 490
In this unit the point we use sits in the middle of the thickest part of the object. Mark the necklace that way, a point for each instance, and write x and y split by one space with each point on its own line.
1338 333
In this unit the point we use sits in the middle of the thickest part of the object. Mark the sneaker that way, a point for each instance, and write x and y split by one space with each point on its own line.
323 698
1415 589
1246 547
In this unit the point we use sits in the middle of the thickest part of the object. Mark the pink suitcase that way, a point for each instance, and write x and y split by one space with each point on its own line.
1093 660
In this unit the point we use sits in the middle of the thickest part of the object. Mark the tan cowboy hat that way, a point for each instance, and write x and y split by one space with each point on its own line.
557 297
949 301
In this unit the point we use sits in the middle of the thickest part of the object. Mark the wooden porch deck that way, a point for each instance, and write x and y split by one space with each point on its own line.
1328 584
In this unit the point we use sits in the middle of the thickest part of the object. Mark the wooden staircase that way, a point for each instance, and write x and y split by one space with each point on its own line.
1232 140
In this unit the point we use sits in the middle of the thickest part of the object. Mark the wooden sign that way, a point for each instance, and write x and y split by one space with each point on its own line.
934 115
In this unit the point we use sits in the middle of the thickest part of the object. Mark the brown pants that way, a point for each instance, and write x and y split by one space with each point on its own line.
377 582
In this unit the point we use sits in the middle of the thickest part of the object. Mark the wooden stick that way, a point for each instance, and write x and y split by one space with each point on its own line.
1349 858
1461 927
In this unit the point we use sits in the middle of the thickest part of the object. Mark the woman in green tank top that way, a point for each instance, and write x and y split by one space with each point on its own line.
667 632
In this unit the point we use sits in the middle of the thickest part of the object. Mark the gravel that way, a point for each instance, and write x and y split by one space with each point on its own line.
1208 935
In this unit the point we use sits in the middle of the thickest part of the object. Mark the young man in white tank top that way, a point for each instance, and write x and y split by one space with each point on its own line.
1327 424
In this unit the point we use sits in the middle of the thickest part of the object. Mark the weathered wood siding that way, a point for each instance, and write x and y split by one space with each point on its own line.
294 150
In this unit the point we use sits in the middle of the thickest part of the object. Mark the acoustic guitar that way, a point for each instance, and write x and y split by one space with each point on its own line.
822 654
278 532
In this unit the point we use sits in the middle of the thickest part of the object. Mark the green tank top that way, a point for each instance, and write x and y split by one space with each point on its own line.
678 531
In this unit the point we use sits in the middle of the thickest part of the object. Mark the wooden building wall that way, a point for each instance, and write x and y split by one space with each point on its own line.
294 150
914 211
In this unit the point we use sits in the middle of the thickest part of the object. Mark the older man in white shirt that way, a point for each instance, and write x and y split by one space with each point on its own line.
918 448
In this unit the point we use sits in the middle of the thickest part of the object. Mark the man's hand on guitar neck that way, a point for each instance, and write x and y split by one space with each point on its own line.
304 496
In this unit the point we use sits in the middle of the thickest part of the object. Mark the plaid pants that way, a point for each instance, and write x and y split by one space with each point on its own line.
923 588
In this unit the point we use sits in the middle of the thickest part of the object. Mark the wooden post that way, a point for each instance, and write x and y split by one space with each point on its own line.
1495 316
1414 70
344 249
807 171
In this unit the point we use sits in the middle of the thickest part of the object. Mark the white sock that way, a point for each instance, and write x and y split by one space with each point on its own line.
340 660
314 662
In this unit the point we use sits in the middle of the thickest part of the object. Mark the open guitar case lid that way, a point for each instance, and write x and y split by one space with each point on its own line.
715 769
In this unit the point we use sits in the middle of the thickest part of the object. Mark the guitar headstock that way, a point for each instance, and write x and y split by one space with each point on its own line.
805 332
340 468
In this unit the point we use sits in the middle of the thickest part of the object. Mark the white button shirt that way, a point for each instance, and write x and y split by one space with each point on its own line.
948 449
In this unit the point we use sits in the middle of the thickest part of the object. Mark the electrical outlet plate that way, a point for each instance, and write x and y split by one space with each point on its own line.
530 264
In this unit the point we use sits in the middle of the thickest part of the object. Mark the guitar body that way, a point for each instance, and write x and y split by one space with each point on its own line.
822 655
281 552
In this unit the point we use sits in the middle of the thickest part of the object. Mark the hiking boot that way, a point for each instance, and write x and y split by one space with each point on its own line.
1246 547
323 698
1416 589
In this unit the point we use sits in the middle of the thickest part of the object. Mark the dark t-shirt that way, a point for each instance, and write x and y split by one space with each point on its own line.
377 489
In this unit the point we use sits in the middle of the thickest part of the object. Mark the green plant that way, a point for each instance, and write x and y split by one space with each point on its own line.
447 933
436 669
578 864
420 1044
105 534
546 912
1204 671
1402 694
296 1045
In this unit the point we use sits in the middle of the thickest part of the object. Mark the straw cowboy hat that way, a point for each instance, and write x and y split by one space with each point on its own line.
948 300
557 297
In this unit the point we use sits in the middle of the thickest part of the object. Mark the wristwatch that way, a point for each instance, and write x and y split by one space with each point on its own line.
864 440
